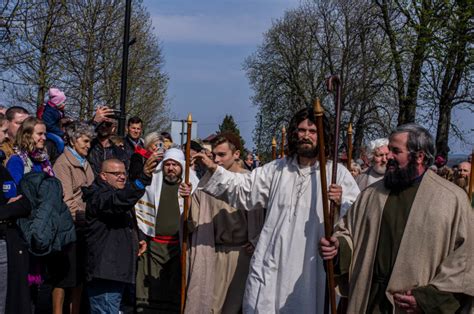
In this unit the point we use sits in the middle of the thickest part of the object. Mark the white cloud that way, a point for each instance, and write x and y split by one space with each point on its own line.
235 30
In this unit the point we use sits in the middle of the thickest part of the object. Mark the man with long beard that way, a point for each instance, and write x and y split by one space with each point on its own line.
286 275
378 151
407 242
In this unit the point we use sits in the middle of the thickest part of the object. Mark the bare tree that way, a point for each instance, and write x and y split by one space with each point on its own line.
76 45
288 70
448 73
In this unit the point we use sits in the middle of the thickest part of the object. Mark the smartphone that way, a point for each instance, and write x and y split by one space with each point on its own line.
160 148
115 114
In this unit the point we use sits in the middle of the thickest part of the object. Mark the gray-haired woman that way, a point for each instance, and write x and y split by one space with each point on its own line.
74 172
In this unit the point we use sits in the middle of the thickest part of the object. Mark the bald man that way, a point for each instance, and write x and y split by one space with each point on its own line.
112 237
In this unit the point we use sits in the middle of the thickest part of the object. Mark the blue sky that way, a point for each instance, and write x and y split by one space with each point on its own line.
204 45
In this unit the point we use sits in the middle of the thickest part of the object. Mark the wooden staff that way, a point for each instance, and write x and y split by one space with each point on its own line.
283 136
274 149
328 227
184 246
331 81
349 147
471 178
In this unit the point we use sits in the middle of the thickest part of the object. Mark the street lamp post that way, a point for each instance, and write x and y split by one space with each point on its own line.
123 85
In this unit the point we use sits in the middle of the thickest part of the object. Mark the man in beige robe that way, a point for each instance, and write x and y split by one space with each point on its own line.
406 244
222 242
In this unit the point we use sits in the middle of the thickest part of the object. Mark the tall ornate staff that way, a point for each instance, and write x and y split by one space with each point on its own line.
349 147
471 179
184 246
283 136
331 81
328 226
274 149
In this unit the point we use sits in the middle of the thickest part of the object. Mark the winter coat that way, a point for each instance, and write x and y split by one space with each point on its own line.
17 250
111 233
52 119
73 177
49 227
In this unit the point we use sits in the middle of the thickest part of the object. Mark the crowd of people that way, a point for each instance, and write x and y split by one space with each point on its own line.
97 219
377 159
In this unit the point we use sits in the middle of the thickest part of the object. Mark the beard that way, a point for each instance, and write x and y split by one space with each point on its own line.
172 178
462 182
380 169
307 152
399 178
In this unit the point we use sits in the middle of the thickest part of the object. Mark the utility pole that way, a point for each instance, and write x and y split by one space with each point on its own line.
123 85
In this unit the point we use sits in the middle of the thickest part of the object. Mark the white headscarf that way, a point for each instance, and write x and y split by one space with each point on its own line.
146 208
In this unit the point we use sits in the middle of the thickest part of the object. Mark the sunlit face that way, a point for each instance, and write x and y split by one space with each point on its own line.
114 174
249 159
39 135
380 159
355 171
135 130
15 124
223 155
172 170
464 170
399 150
167 143
4 131
82 145
307 139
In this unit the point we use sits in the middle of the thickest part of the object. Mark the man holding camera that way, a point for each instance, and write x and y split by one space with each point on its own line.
102 148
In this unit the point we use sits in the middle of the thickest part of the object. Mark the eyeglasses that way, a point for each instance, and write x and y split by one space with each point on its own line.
116 173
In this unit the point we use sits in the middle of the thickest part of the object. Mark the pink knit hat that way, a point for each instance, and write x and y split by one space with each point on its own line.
56 97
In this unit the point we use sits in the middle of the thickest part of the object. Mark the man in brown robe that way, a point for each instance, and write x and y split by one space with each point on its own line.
222 242
406 245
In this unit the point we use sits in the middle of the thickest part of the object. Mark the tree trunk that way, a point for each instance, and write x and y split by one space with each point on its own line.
455 65
407 112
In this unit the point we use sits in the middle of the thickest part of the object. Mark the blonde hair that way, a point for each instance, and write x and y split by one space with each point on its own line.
152 138
24 136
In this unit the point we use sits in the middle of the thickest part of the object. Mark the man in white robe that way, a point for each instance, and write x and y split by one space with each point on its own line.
286 274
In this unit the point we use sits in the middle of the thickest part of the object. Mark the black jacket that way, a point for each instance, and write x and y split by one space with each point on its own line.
129 145
98 153
135 170
17 250
112 234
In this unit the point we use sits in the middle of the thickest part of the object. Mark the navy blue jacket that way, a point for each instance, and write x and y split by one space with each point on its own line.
52 118
50 226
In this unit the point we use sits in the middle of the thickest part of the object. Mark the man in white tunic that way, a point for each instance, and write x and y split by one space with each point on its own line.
286 274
